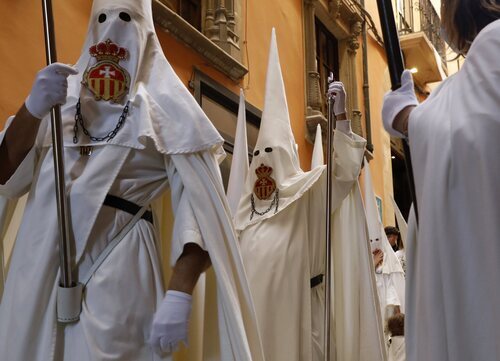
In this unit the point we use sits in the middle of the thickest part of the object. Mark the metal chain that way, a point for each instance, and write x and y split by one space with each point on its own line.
107 137
275 201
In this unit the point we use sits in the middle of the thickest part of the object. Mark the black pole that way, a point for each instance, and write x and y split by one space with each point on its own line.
328 223
396 67
66 279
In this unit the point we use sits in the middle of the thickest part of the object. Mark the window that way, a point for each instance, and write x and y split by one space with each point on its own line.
221 107
189 10
327 57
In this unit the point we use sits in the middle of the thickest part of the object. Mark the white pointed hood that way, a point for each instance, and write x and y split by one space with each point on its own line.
378 239
403 226
239 164
275 148
161 107
317 156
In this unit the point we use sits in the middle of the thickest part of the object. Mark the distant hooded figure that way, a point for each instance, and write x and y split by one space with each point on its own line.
131 130
281 223
389 272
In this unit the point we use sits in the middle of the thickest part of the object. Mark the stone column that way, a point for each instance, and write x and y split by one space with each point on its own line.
352 79
314 114
209 29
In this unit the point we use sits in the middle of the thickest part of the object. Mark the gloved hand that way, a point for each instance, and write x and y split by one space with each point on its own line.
336 89
395 101
170 323
49 88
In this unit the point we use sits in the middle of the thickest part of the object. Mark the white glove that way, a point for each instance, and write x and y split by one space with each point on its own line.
336 89
170 323
395 101
49 89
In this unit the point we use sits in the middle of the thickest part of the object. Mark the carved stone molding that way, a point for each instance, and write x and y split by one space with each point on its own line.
180 29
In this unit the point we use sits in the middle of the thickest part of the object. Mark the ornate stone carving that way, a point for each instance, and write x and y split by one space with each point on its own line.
334 8
220 25
353 41
171 22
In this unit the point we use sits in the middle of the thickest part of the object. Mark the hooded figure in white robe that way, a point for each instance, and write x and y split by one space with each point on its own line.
165 141
389 275
453 265
356 322
281 220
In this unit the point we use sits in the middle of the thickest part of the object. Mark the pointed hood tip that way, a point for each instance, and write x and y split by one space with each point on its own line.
317 156
275 123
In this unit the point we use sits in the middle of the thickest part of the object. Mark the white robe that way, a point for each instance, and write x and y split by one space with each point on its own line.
282 252
357 331
397 349
390 280
123 294
454 264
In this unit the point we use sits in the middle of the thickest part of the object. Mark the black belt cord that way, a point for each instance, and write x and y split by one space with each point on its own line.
317 280
126 206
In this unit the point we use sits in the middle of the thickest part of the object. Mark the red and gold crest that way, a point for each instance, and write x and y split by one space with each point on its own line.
265 185
106 79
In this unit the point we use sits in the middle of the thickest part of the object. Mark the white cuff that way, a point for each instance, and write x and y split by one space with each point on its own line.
344 126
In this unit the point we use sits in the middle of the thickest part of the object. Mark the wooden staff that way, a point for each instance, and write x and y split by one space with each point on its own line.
396 67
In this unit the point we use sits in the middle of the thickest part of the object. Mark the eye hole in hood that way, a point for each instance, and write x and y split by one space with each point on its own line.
125 16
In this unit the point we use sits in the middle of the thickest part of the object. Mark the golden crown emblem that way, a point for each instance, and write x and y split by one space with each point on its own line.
263 171
108 50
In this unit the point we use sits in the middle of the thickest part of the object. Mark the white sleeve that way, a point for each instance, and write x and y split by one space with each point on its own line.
345 127
20 182
348 151
186 229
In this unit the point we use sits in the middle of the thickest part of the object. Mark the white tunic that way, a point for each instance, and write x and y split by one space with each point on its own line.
357 330
397 348
28 327
454 264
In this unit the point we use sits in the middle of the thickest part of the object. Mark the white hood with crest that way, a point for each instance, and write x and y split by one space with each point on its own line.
161 107
276 149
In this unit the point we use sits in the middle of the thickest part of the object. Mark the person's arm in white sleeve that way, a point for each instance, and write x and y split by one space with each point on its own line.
348 148
398 105
15 180
189 259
